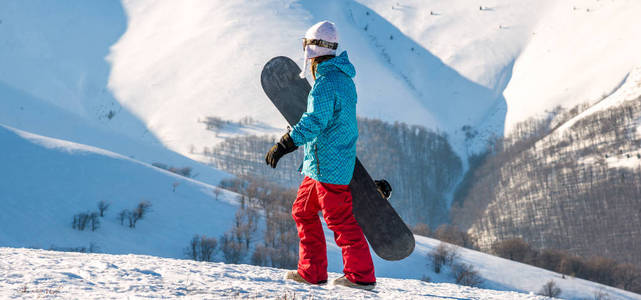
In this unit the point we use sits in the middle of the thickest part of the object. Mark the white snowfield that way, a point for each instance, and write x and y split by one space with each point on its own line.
47 181
31 274
51 180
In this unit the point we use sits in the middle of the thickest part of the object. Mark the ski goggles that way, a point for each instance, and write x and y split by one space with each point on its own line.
320 43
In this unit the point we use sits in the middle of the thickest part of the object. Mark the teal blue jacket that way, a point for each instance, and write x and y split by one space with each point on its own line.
328 129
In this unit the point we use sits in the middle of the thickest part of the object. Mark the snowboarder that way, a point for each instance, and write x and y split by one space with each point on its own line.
329 132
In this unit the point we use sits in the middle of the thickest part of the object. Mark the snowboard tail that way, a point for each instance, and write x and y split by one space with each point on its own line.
384 229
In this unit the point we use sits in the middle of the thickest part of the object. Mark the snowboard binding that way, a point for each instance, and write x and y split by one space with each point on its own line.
384 188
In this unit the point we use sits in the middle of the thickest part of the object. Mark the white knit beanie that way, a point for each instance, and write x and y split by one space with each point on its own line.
325 31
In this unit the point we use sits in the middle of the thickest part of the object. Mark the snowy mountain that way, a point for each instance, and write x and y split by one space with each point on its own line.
487 64
93 94
483 64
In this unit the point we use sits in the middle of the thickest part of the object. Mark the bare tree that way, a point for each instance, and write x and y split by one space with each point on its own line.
442 255
246 224
102 207
465 274
602 270
80 221
192 250
233 250
95 221
207 248
201 248
123 215
280 240
453 235
550 289
514 249
601 295
628 277
260 256
422 229
131 217
217 192
138 213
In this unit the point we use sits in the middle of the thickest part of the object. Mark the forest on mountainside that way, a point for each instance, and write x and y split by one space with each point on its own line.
577 189
419 164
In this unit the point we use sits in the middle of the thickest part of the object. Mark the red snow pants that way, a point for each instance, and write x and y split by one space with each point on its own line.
335 202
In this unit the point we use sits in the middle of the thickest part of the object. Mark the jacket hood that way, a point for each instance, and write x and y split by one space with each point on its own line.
340 62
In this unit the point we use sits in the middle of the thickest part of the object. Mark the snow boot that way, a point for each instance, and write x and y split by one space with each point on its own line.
293 275
345 282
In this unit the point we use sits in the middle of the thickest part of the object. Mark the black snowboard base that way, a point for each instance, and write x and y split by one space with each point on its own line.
384 229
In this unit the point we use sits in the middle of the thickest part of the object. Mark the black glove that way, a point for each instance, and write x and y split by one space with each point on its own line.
284 146
384 188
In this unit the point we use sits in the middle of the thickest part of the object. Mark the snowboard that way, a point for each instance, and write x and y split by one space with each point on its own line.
388 235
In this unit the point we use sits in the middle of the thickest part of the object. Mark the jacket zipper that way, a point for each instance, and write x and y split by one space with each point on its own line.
317 161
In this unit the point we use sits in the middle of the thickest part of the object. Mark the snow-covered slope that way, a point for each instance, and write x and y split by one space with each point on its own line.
539 54
77 275
46 181
89 276
497 273
53 80
51 180
629 90
580 51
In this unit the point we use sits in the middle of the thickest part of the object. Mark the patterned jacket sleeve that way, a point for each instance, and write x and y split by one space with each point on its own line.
313 122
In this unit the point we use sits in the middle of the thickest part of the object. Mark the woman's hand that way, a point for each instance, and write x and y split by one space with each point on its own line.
284 146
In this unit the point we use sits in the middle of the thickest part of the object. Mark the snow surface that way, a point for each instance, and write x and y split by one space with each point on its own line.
53 80
580 51
75 275
51 180
47 181
503 274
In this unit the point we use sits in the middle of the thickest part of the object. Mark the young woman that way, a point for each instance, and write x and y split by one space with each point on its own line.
329 132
